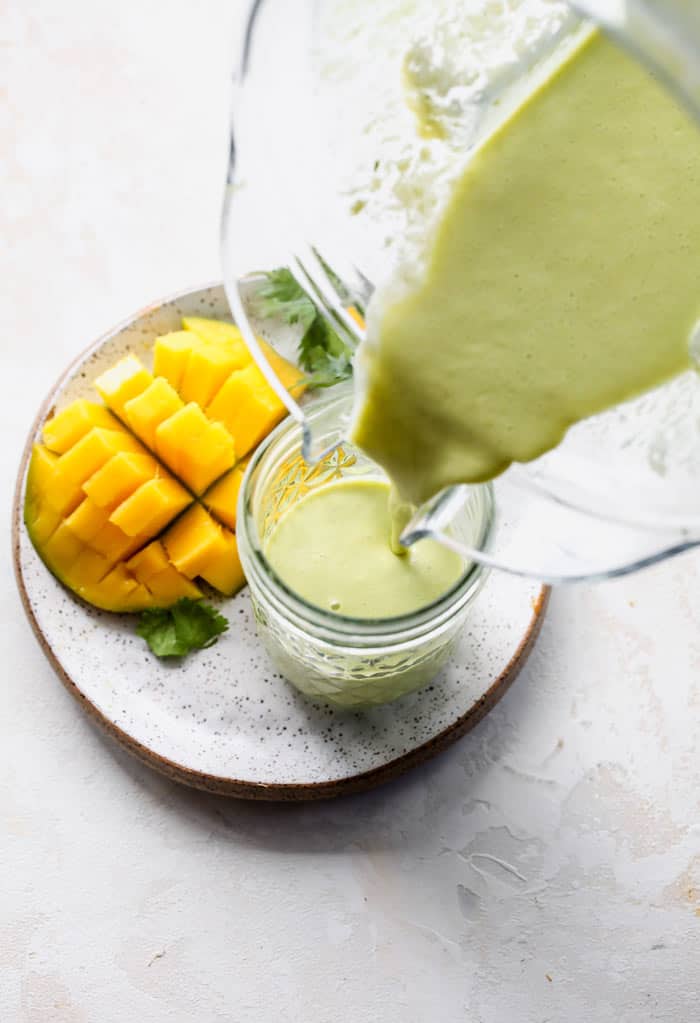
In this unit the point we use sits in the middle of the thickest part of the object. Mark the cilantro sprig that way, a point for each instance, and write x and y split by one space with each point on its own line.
324 356
178 630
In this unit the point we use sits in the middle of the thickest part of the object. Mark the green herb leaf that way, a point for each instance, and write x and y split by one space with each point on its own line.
176 631
324 356
281 296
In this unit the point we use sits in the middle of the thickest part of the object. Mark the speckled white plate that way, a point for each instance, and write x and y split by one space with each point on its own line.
222 719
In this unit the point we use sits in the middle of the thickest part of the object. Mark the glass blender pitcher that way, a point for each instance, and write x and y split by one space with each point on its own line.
622 490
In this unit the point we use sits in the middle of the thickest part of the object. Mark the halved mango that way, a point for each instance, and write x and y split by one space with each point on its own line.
194 448
222 499
248 408
69 425
122 382
199 546
148 410
99 493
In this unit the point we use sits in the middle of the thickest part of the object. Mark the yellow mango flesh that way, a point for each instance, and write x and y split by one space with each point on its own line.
207 368
71 424
151 507
217 332
152 568
85 549
101 506
194 448
120 477
170 355
221 499
91 452
144 413
122 382
248 408
61 497
199 547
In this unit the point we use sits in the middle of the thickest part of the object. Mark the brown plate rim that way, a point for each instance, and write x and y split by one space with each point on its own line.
218 784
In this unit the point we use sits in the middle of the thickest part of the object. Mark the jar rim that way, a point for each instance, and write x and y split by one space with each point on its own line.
261 575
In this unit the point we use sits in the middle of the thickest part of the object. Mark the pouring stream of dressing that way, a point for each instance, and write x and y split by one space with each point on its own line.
561 278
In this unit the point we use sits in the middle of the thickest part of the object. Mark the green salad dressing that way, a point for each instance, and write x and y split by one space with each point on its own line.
332 548
563 278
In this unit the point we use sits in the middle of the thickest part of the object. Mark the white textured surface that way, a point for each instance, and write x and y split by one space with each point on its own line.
124 897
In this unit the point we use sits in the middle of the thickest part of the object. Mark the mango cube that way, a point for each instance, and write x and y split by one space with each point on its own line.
149 561
117 591
222 498
207 368
151 507
171 353
45 489
42 523
90 567
199 546
87 520
216 332
122 382
115 544
225 572
69 425
248 408
194 448
61 549
120 477
193 541
148 410
91 452
152 568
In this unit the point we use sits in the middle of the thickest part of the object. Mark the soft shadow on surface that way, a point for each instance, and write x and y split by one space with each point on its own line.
398 814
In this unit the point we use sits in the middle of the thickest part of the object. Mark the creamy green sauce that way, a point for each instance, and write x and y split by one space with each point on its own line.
332 548
563 278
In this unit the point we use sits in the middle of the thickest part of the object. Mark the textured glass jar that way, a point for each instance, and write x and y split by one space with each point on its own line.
346 661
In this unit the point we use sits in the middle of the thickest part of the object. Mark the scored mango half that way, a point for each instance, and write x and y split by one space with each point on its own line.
131 503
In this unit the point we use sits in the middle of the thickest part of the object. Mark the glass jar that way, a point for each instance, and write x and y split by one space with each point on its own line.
347 661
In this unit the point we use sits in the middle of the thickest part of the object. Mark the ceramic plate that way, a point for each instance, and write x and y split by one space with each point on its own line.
223 719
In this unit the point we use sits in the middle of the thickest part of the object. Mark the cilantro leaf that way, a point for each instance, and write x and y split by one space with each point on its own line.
323 354
280 295
177 630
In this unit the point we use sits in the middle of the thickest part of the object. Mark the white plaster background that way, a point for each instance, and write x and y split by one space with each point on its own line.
545 869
